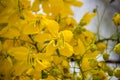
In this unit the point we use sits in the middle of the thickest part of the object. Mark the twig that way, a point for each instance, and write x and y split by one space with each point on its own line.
112 61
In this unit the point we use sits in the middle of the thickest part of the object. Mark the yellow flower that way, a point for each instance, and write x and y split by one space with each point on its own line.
74 2
87 18
116 19
87 37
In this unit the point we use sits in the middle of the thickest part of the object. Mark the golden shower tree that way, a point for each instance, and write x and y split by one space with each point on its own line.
40 46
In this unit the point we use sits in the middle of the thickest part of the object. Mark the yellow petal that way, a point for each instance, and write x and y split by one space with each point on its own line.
52 27
57 60
67 50
67 34
77 3
10 32
20 53
5 65
65 63
46 7
87 18
35 6
30 28
41 65
42 37
50 49
19 68
90 54
79 48
85 64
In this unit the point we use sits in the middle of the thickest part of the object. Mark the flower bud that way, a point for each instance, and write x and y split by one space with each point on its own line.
93 47
101 46
117 48
93 63
116 72
106 56
116 19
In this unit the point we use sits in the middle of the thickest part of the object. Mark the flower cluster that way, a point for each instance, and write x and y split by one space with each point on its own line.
42 45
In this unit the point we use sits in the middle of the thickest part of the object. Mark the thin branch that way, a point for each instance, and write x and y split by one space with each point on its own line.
112 61
106 39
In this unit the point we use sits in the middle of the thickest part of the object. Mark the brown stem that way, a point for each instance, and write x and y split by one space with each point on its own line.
112 61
